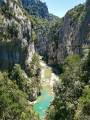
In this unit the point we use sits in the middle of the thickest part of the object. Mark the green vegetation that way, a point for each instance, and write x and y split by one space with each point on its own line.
34 64
8 33
83 109
6 10
35 37
33 71
39 16
13 98
18 77
55 28
39 9
72 92
57 33
35 8
19 2
77 14
70 63
53 38
40 22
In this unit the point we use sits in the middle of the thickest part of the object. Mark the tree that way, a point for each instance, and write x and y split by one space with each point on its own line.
83 109
67 90
34 72
13 101
18 76
85 67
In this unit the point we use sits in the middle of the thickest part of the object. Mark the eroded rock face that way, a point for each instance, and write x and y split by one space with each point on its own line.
73 34
16 45
88 6
36 6
38 10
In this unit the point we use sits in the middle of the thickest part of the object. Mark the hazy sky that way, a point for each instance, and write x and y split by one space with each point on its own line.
60 7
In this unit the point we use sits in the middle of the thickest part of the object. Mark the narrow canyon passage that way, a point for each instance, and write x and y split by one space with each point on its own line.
47 78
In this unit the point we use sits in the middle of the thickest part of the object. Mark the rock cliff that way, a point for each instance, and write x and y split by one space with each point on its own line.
38 11
38 8
16 45
73 33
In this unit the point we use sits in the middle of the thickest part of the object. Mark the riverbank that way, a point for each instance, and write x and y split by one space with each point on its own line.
43 101
47 80
52 78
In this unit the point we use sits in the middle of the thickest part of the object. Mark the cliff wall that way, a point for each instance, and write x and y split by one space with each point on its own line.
16 45
73 33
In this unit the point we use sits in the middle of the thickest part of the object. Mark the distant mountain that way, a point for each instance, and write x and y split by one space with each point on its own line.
39 8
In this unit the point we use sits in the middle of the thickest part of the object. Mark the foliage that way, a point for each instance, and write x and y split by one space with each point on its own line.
40 16
34 68
18 77
19 2
35 8
85 68
6 10
13 101
35 37
7 33
34 72
36 12
83 109
85 100
55 28
29 86
70 63
77 14
39 9
69 89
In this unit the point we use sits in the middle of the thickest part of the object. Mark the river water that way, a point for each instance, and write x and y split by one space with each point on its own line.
43 101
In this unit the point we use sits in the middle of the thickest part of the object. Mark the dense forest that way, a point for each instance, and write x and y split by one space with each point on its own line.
72 92
16 89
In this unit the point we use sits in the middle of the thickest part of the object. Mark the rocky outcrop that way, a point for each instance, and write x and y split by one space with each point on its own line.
73 34
39 13
16 45
37 7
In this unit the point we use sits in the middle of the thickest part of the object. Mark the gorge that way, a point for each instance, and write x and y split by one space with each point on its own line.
41 53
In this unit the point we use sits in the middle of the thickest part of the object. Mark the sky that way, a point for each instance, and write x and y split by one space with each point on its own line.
60 7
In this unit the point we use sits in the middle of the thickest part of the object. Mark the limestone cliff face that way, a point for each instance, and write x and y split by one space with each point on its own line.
38 8
73 34
16 45
39 13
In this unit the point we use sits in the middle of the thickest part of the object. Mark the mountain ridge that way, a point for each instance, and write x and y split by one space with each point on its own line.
72 34
37 7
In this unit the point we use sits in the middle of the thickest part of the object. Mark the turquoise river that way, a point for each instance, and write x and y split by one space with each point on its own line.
43 101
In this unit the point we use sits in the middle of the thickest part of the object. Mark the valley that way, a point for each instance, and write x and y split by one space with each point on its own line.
47 80
44 62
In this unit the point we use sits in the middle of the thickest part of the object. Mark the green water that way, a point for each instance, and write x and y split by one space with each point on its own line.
43 102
